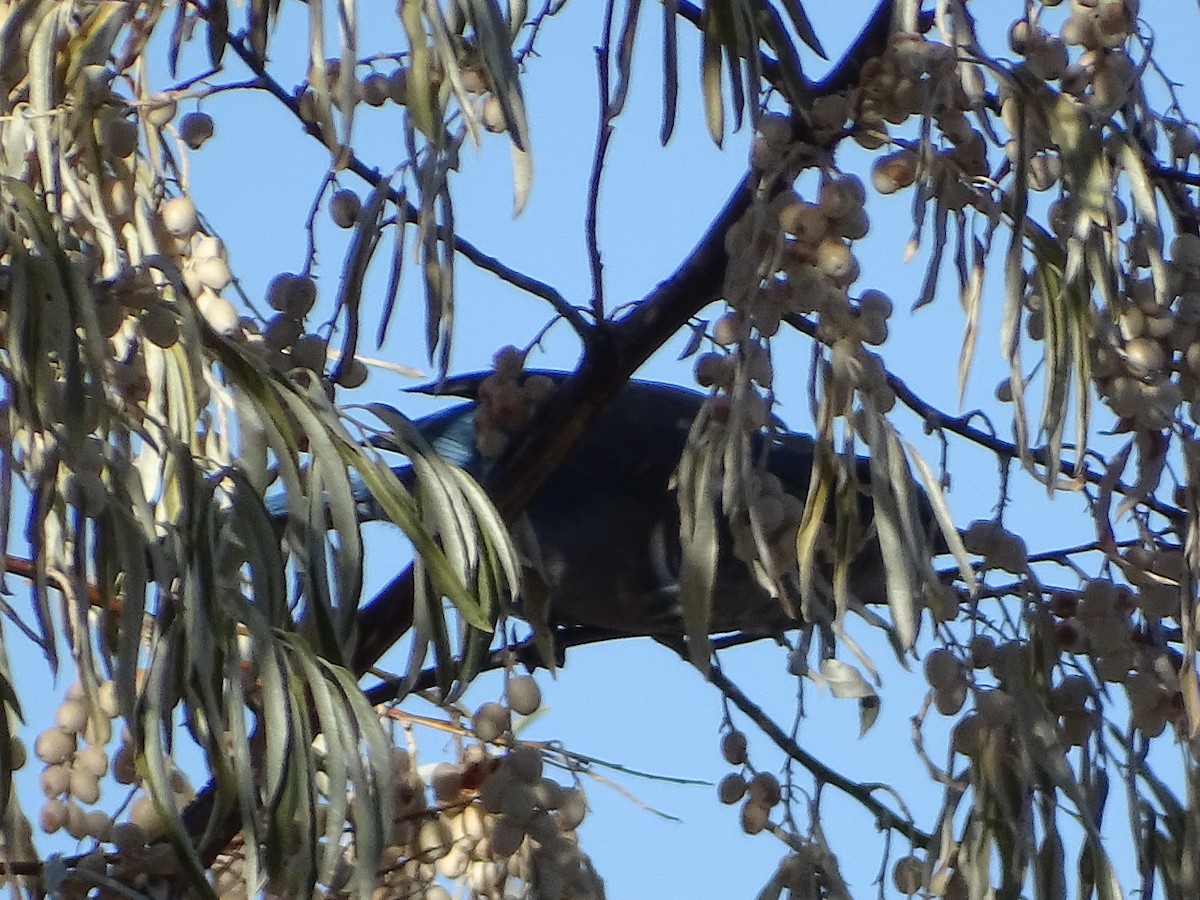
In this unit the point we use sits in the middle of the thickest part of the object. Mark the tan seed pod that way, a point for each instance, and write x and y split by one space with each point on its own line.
474 80
146 816
55 780
159 325
76 821
71 715
754 817
213 273
218 312
374 89
764 789
354 375
19 755
804 220
195 128
835 260
292 294
950 699
983 650
344 207
491 115
908 875
398 86
525 762
943 668
160 111
53 816
967 737
729 329
54 746
124 765
572 809
1047 59
490 722
894 171
98 824
179 216
452 866
733 748
524 695
120 137
118 198
92 759
433 840
85 787
731 788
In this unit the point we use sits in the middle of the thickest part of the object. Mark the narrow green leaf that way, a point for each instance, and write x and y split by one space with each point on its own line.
710 78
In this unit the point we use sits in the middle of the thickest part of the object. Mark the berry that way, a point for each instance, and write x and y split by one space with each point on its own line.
195 128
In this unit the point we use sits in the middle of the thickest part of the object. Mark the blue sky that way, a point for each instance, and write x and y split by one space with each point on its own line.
632 703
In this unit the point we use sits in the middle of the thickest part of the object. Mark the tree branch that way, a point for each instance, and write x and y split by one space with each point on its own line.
885 817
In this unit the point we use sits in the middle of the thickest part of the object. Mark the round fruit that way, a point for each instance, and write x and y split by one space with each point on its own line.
524 695
490 722
54 745
733 748
195 128
179 216
344 208
161 111
120 137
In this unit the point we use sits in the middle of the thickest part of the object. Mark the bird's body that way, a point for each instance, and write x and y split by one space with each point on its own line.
606 522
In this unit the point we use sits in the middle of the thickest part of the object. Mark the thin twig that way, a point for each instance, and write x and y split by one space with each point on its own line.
885 817
603 134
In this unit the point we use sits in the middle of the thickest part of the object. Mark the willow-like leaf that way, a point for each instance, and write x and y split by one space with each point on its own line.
710 85
318 74
796 87
941 514
241 768
335 732
347 83
625 57
374 795
494 40
153 767
970 298
803 26
354 271
395 270
464 516
698 538
900 542
670 69
217 23
420 94
820 490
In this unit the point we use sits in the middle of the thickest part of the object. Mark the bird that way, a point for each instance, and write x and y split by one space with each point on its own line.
606 522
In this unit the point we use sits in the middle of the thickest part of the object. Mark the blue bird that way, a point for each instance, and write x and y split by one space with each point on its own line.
606 522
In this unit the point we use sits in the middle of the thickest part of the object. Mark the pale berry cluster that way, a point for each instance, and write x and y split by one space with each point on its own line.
489 823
